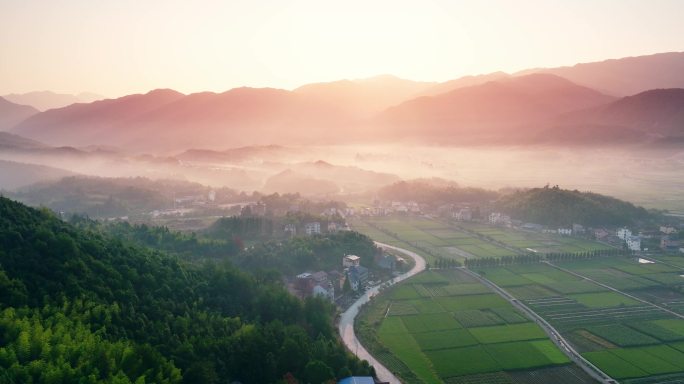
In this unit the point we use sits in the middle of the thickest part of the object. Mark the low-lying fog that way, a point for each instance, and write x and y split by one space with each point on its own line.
653 178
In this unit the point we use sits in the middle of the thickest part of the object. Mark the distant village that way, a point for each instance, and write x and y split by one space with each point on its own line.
663 238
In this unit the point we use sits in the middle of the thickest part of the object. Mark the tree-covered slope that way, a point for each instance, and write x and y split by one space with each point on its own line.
555 206
80 304
434 192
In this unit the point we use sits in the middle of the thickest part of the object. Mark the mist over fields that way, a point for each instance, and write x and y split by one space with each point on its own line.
578 127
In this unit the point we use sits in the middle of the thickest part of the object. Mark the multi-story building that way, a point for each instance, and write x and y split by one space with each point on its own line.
312 228
351 261
633 243
623 233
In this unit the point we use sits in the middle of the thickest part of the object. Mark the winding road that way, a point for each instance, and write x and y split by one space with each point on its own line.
346 325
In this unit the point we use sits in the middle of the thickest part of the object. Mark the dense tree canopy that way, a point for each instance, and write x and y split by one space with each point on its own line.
80 303
434 192
560 207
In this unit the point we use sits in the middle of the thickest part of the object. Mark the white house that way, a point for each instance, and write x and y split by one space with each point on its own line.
351 261
464 214
668 229
633 243
565 231
623 233
312 228
499 218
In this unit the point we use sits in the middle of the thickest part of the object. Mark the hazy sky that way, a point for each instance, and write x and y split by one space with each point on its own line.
115 47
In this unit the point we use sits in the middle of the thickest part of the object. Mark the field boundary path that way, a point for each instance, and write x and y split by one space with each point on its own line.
346 325
553 334
615 290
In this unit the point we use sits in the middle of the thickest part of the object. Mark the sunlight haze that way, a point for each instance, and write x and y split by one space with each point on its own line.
120 47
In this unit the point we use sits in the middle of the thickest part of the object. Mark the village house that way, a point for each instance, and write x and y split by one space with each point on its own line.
499 218
633 243
623 233
464 214
315 284
578 229
601 234
358 277
351 261
565 231
668 229
312 228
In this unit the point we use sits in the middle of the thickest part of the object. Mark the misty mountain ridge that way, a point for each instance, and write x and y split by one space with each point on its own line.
44 100
86 124
10 141
464 81
16 175
626 76
655 116
13 113
365 97
494 108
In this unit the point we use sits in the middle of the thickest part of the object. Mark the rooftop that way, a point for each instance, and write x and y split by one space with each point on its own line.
357 380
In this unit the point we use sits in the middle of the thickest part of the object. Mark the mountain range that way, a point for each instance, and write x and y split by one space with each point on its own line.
491 111
626 76
621 99
44 100
12 113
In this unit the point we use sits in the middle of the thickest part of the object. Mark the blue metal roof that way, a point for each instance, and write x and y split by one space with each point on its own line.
357 380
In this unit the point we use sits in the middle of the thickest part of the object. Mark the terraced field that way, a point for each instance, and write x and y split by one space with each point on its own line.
631 340
444 326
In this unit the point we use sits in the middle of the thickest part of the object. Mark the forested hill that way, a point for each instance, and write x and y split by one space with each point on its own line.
81 306
434 192
561 207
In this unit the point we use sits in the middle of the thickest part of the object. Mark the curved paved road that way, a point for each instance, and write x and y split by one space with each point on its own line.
346 326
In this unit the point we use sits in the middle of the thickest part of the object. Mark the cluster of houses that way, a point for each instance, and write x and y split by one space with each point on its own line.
355 272
330 284
663 238
621 236
385 208
632 242
498 218
315 228
319 283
